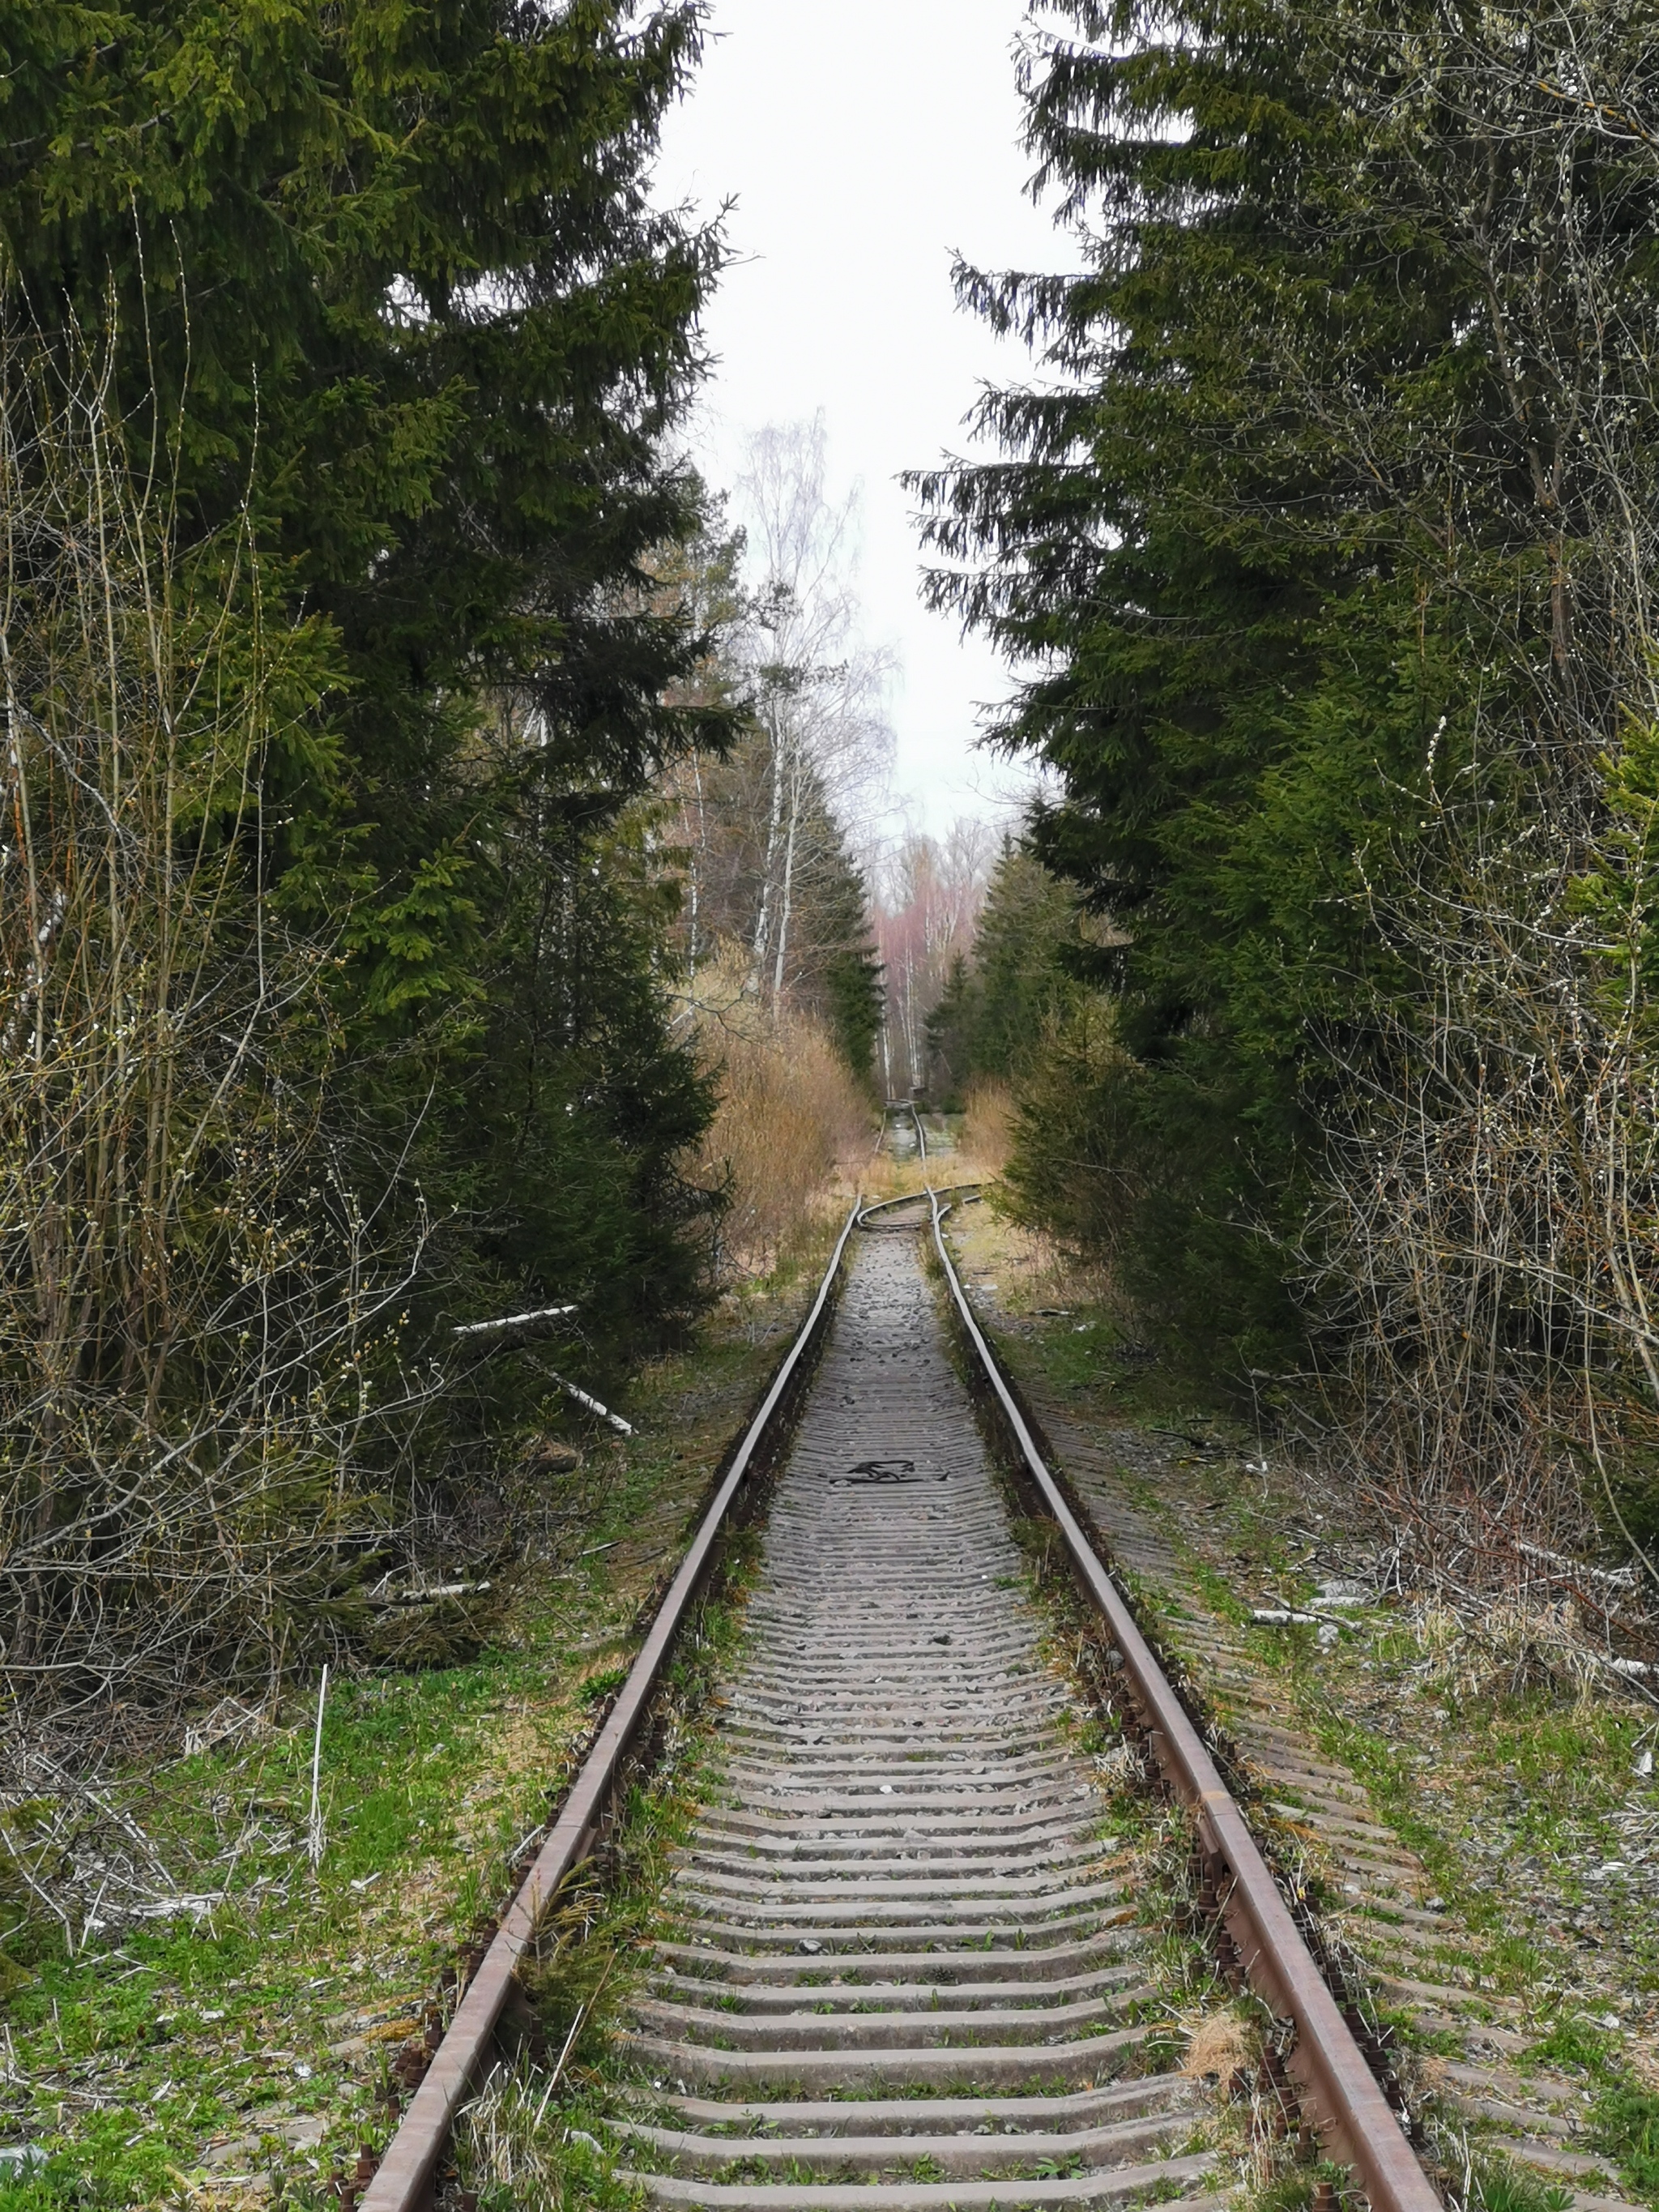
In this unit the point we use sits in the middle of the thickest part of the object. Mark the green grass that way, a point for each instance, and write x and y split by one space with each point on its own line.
132 2055
189 2030
1625 2124
1497 2184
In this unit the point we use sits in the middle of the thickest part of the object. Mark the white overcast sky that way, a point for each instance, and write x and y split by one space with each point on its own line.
863 143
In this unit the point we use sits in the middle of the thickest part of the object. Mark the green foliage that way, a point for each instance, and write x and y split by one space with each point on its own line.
393 340
1160 553
992 1013
850 990
1617 891
1500 2186
1625 2122
391 277
1571 2041
394 271
575 1104
1267 540
1624 2114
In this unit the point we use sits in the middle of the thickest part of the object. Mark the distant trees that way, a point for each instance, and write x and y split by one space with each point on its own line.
1003 1000
765 827
817 692
808 896
924 923
778 985
1328 546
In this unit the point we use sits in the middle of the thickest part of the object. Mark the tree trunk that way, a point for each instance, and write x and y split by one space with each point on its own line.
764 917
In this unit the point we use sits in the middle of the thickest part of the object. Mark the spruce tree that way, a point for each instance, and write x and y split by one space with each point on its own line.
390 279
1300 550
993 1016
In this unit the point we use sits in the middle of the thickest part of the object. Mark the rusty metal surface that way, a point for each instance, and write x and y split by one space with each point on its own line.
404 2181
1329 2064
870 1215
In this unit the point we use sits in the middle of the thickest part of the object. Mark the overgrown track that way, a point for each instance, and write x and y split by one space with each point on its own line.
904 1945
902 1962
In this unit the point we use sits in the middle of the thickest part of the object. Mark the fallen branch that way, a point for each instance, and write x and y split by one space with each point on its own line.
314 1836
428 1596
1619 1578
510 1321
583 1398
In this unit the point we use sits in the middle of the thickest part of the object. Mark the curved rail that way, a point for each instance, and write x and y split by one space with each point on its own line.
403 2179
1328 2063
914 1198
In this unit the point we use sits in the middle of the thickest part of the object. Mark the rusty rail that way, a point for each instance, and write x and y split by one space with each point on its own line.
405 2179
868 1213
1328 2064
907 1106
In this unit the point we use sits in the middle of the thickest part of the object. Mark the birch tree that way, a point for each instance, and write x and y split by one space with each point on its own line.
819 688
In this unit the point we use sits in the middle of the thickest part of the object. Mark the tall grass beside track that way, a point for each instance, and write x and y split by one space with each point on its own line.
793 1131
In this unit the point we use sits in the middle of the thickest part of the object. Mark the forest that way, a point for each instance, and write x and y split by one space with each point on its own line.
400 779
1321 541
443 946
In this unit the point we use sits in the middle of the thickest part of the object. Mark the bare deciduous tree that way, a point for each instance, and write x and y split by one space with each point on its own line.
929 907
1488 1249
200 1385
818 690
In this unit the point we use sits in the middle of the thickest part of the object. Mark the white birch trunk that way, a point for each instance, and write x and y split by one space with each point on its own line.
786 893
764 917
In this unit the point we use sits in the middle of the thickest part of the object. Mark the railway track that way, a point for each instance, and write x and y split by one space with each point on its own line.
901 1961
904 1133
904 1945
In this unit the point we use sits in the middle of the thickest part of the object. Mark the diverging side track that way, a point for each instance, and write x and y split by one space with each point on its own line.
903 1968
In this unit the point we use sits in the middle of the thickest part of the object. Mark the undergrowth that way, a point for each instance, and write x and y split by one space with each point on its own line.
261 2015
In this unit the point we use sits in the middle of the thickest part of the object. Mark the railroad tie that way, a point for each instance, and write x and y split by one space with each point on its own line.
902 1965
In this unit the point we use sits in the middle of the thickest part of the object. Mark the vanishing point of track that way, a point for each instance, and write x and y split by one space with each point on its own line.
903 1965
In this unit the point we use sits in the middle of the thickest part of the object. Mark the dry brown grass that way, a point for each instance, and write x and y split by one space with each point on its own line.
987 1126
1502 1649
1221 2043
792 1130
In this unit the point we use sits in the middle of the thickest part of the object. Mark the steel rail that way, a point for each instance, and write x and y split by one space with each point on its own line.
914 1198
405 2179
904 1106
1327 2062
